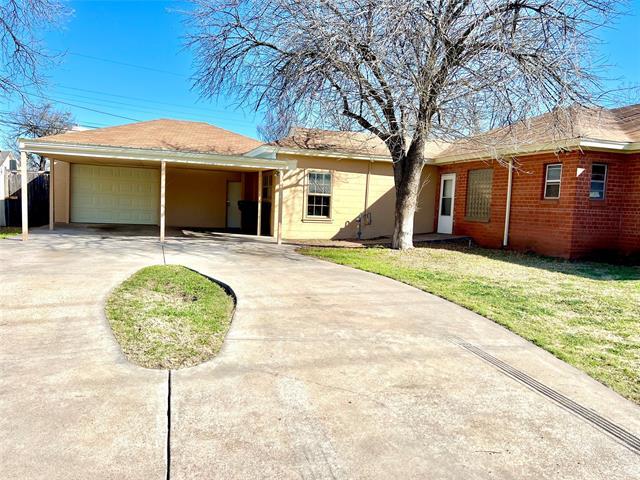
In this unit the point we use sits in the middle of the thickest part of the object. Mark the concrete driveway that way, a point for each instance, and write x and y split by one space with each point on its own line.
327 372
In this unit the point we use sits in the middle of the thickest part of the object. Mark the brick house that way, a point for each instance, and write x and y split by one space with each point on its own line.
570 196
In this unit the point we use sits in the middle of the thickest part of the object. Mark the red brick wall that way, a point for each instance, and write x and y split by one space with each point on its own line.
540 225
629 241
572 226
596 227
543 226
486 234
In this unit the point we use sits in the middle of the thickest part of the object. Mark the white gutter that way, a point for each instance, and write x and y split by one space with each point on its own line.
507 214
153 155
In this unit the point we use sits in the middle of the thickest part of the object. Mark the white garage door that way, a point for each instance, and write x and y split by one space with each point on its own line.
114 195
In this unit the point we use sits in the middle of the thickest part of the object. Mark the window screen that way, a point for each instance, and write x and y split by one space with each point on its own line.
479 185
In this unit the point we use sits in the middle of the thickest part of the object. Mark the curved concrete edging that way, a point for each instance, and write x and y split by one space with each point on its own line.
123 359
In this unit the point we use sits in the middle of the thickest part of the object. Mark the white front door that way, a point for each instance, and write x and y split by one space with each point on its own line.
447 195
234 195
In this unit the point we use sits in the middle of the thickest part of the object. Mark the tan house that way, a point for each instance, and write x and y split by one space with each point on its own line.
569 187
193 175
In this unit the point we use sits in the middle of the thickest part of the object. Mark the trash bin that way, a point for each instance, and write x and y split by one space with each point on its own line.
249 217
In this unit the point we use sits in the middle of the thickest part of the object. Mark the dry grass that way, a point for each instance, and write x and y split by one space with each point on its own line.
169 317
587 314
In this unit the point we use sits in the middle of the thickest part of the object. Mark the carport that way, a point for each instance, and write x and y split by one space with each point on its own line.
158 173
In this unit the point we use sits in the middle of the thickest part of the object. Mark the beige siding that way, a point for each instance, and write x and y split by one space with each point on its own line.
197 198
425 212
348 199
61 191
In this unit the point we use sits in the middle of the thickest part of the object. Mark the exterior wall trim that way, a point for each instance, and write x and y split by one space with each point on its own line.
127 153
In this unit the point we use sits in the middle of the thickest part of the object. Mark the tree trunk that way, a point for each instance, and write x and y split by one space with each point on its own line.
407 178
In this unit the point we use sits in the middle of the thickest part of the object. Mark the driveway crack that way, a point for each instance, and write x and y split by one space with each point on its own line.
168 476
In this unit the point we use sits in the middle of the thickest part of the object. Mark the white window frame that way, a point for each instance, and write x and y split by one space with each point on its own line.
604 182
548 182
318 218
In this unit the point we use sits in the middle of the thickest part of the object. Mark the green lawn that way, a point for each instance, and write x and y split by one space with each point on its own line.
7 232
587 314
168 316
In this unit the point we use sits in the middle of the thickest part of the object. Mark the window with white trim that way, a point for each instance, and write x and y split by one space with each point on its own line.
598 181
552 181
319 195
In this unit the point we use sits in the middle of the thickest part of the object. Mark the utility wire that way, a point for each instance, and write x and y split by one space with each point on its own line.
146 100
80 100
125 64
85 108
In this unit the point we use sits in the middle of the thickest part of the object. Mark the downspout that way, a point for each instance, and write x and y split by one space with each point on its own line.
363 218
507 214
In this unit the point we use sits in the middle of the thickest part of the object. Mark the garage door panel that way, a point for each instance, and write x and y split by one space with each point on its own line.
101 194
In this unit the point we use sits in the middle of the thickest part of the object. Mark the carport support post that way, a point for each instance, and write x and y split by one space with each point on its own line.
259 202
52 211
163 181
280 190
24 194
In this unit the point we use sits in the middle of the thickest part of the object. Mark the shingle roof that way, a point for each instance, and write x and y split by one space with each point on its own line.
618 125
615 125
163 134
329 140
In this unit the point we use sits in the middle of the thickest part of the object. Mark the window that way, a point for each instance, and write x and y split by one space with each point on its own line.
598 181
479 185
552 181
267 187
319 194
447 197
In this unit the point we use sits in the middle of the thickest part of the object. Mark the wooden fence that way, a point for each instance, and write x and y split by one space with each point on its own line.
38 191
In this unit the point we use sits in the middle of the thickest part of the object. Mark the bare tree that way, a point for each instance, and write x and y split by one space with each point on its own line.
34 121
21 52
407 71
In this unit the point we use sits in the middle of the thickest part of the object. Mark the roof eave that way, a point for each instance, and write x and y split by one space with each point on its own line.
154 155
534 149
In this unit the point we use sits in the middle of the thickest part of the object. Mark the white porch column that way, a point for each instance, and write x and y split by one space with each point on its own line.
24 180
163 181
280 192
259 203
52 209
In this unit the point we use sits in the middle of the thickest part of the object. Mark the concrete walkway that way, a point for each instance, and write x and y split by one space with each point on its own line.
327 372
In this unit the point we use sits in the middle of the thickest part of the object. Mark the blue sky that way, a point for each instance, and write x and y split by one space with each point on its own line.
127 59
